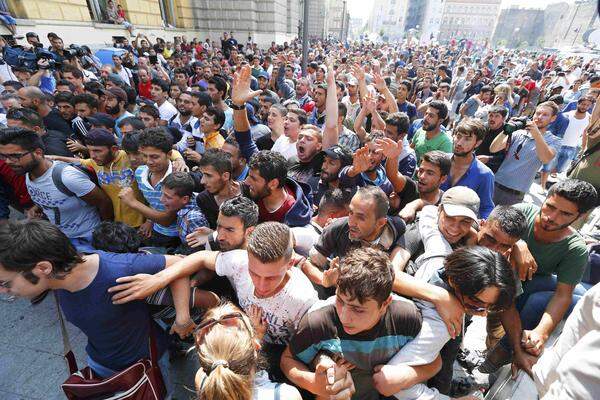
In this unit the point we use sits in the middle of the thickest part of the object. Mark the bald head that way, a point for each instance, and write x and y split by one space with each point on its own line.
32 96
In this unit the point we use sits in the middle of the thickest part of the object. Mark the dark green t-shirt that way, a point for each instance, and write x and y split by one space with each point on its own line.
566 259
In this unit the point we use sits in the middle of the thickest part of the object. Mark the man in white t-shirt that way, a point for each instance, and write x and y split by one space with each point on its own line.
571 142
160 94
268 286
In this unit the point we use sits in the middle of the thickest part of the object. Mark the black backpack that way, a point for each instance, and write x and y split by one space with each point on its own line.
57 176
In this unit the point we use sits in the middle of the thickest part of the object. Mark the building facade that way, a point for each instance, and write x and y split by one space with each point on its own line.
432 21
339 20
388 19
469 19
263 20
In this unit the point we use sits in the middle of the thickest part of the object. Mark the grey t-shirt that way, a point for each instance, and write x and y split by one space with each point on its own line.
74 217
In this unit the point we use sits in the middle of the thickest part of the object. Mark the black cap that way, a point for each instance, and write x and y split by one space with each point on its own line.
341 153
101 120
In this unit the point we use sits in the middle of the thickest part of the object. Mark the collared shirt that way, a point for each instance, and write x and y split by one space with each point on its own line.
214 140
518 169
152 195
190 218
479 178
243 174
349 139
185 129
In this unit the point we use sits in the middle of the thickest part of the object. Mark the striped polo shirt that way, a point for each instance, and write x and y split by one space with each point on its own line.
152 195
518 169
320 330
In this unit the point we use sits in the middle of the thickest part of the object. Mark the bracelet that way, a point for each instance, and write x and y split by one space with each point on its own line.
239 108
190 322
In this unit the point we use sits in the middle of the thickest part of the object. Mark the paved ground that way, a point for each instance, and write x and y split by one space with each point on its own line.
31 363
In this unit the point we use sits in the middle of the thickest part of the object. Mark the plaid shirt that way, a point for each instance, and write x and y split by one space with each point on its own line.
190 218
349 139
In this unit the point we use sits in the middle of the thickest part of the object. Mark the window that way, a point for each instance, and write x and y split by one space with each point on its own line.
167 10
97 9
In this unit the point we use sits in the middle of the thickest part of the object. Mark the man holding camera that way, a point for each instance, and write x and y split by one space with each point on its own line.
527 148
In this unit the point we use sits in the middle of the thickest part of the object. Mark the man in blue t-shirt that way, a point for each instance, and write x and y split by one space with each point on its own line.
35 256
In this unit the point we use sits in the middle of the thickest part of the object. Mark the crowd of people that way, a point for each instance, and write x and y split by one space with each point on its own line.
324 234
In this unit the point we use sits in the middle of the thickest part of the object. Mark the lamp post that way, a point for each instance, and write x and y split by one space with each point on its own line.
305 38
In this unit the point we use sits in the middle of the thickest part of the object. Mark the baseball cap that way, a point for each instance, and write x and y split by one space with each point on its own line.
263 74
101 120
118 93
461 201
250 113
100 137
341 153
352 81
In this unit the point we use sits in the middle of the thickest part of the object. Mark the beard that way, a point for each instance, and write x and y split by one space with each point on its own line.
113 110
185 113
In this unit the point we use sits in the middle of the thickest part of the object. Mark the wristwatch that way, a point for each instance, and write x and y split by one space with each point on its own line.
236 107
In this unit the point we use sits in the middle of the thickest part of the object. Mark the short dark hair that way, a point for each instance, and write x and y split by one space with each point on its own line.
486 89
25 243
342 110
218 159
150 110
472 269
220 85
302 115
400 120
161 83
14 84
270 242
85 98
496 109
136 123
74 70
440 159
511 220
241 207
270 165
335 198
181 182
157 138
471 127
218 116
116 237
366 273
380 199
27 116
27 139
203 98
63 97
64 82
441 107
131 142
582 193
406 83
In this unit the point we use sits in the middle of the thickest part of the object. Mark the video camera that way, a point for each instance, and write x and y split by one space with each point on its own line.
19 57
514 124
74 51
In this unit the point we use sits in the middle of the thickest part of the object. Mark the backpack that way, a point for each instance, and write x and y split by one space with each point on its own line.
57 176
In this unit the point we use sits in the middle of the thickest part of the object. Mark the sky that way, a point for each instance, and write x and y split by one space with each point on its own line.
362 8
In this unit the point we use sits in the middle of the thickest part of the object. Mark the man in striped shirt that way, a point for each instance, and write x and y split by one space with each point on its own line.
526 151
155 144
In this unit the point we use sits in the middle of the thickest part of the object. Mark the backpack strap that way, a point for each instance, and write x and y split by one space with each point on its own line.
57 178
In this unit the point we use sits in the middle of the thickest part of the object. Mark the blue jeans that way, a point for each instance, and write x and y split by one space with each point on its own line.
565 155
532 303
163 364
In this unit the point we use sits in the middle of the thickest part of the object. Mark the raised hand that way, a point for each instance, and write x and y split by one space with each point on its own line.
389 147
379 82
358 72
361 161
240 89
370 103
331 275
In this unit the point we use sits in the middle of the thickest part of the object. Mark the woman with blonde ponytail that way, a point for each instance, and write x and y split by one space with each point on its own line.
227 348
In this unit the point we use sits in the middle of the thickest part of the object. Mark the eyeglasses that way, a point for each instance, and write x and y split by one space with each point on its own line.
204 326
15 156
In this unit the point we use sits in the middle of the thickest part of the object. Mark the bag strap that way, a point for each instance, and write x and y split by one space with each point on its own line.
583 156
67 349
57 179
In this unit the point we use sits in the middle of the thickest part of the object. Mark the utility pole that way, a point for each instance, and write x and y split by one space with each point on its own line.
305 38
